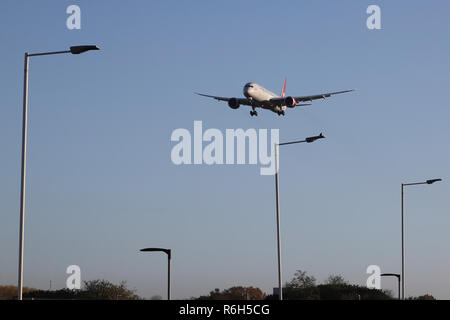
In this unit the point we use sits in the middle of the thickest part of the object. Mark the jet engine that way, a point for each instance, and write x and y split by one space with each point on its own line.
290 102
233 103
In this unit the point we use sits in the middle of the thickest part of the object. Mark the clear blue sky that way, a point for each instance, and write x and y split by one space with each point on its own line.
101 184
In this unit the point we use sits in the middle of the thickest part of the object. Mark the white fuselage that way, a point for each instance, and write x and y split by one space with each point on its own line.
260 94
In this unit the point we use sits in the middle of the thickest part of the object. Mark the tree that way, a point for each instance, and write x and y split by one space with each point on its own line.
335 280
105 290
235 293
301 287
301 281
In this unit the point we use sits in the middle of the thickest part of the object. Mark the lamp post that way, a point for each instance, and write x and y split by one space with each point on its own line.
73 50
431 181
169 256
398 278
277 187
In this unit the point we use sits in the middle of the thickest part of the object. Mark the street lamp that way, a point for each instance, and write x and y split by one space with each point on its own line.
277 145
398 278
73 50
169 256
431 181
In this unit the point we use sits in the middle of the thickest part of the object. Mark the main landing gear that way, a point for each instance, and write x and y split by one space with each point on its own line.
281 113
254 113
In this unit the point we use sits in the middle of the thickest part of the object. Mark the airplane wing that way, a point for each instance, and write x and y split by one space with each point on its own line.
309 98
242 101
320 96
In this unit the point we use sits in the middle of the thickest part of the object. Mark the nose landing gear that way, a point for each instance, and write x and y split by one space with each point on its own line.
254 113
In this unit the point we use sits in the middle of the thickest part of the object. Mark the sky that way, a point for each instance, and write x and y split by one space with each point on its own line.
101 184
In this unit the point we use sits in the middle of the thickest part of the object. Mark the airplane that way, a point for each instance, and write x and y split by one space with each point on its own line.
256 96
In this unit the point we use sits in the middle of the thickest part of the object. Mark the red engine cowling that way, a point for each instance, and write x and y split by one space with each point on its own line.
290 102
233 103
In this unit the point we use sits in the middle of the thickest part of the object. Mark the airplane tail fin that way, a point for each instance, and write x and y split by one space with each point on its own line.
283 91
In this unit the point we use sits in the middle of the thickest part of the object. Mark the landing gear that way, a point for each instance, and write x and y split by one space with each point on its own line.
281 113
254 113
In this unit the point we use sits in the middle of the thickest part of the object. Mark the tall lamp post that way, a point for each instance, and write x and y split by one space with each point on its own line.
169 256
431 181
398 278
277 186
72 50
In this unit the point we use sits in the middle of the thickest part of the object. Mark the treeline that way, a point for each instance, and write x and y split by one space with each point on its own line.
92 290
234 293
10 292
304 287
301 287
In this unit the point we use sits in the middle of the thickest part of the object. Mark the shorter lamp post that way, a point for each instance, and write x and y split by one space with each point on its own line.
398 276
168 252
430 181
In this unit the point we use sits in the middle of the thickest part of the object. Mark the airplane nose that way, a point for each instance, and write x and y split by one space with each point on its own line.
247 91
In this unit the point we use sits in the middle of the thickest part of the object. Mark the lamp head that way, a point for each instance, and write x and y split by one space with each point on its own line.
433 181
312 139
167 251
81 49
